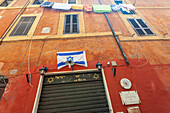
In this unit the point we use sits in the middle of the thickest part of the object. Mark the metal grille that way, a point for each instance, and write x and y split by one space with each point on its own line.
73 93
23 26
141 27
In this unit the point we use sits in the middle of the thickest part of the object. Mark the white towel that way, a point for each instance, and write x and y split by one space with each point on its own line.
62 6
128 6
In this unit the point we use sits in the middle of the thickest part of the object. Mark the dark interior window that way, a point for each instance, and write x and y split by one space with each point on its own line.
3 84
71 1
36 2
5 3
141 27
71 24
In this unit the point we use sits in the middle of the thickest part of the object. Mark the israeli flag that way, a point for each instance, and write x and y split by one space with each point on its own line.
78 57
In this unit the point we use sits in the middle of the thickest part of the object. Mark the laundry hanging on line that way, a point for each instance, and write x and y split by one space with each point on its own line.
77 7
127 7
115 7
61 6
102 8
95 8
88 8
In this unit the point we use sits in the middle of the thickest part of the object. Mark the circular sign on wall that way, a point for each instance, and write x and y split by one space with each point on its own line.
125 83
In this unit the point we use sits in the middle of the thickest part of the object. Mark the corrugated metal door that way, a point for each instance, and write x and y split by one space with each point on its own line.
73 93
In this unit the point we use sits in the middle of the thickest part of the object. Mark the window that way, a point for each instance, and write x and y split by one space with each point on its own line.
75 92
23 26
3 83
141 27
36 2
71 24
71 1
6 3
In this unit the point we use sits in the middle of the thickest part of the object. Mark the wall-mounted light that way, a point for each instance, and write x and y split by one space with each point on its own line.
99 66
43 70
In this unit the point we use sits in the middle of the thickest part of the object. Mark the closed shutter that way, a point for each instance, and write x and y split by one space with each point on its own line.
73 93
23 26
140 27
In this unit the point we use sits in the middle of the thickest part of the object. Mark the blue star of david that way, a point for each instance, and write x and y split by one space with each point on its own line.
70 58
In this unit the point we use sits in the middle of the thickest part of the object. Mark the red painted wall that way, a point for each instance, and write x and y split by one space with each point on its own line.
19 96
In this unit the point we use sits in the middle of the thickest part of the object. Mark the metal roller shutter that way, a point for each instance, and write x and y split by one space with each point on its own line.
73 93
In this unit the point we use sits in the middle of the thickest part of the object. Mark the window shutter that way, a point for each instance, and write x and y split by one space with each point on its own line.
73 93
23 26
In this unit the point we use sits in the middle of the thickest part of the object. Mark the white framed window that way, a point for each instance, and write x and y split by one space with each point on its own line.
76 91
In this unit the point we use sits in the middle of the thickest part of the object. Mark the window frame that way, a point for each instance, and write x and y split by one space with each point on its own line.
36 4
68 1
1 1
39 89
71 24
21 24
140 27
29 34
3 85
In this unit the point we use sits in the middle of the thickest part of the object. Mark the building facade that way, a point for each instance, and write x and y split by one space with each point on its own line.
32 35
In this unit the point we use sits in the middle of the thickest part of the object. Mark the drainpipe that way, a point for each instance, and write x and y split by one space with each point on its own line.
116 38
14 21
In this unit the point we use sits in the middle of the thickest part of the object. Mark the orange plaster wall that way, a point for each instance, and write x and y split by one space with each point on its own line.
19 3
7 17
56 1
117 24
90 2
159 18
50 18
33 10
95 23
151 3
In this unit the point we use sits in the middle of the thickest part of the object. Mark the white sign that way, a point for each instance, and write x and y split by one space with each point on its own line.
46 30
129 97
13 72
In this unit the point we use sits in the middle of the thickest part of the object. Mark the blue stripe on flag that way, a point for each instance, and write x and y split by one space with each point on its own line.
61 64
72 53
79 62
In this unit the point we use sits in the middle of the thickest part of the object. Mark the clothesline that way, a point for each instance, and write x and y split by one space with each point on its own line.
89 8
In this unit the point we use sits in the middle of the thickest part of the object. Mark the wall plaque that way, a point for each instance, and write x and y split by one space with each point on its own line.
134 109
46 30
129 97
